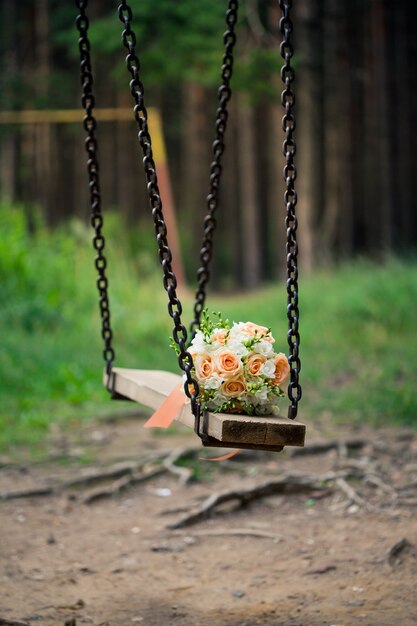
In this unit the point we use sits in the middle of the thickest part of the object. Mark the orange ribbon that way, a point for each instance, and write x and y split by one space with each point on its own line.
221 458
169 409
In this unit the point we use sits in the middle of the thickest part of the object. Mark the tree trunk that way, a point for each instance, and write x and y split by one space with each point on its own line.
402 158
9 140
250 258
128 166
45 167
411 93
346 120
332 123
377 190
270 191
228 231
385 201
308 88
195 156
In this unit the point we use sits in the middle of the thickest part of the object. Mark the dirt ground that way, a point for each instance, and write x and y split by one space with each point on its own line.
331 556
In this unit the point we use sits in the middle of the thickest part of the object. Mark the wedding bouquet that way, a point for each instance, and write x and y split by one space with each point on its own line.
236 367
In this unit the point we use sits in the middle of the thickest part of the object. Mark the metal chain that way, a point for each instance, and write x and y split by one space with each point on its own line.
290 197
224 93
88 103
169 280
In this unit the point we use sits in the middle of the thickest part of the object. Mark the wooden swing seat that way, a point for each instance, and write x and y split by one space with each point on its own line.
151 388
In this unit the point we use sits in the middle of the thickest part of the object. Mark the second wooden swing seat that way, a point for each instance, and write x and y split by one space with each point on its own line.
152 387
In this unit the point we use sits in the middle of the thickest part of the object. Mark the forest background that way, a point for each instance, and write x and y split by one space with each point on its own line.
356 90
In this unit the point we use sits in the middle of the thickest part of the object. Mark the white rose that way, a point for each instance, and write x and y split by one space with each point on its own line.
274 409
237 347
268 368
219 398
264 409
213 382
198 344
264 347
236 334
262 394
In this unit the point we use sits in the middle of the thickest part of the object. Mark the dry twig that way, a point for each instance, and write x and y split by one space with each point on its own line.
350 492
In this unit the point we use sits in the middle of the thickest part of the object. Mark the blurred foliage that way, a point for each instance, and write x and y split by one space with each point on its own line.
50 362
179 41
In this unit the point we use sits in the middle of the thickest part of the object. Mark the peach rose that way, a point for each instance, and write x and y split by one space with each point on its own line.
219 336
233 387
251 329
203 366
282 369
254 363
227 363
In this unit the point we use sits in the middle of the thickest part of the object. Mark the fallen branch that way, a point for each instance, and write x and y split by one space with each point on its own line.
375 480
122 475
321 569
120 485
398 549
350 492
322 448
410 487
185 474
286 485
12 622
107 492
406 501
239 532
26 493
112 473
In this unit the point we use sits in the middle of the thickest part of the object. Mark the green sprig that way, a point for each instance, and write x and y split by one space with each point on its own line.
174 346
207 325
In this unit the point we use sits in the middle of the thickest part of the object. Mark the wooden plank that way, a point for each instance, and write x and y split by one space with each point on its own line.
68 116
75 116
151 387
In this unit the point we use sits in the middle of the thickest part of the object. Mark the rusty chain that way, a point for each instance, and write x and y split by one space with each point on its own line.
89 122
169 280
290 198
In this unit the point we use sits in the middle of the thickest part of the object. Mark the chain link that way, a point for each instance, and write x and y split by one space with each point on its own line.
169 280
290 198
224 93
88 103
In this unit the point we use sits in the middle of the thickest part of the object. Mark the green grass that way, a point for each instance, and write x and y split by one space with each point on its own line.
357 324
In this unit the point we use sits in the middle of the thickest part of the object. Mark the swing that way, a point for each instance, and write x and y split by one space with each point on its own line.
152 388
